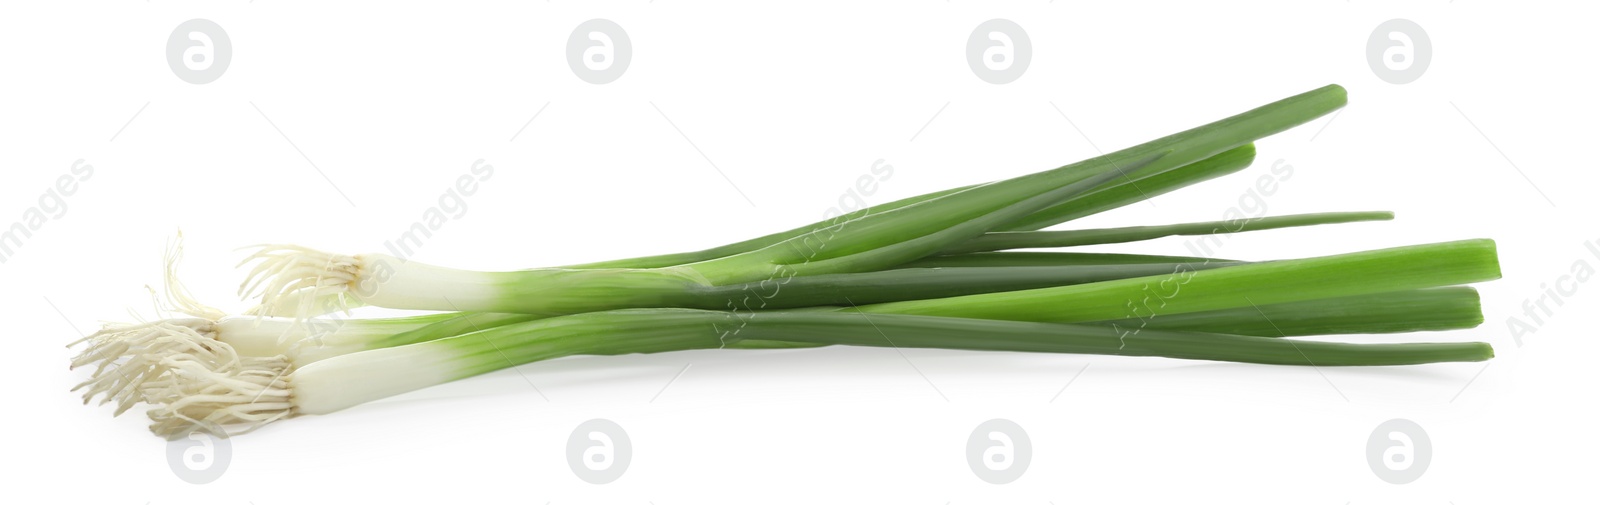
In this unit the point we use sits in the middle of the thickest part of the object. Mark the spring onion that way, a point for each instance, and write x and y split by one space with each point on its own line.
929 271
1358 302
268 390
865 241
262 389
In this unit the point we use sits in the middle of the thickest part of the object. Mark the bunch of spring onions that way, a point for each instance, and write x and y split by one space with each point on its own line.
934 271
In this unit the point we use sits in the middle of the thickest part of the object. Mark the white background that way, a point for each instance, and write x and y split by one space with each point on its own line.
337 126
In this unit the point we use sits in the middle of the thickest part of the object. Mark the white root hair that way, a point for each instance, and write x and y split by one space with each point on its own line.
196 397
305 304
192 380
178 294
296 280
128 357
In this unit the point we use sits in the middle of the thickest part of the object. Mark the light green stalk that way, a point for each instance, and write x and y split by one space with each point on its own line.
1435 309
1249 285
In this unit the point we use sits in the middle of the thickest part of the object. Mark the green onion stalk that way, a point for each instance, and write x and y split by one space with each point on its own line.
1000 241
872 239
270 388
1115 194
249 400
124 355
926 271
